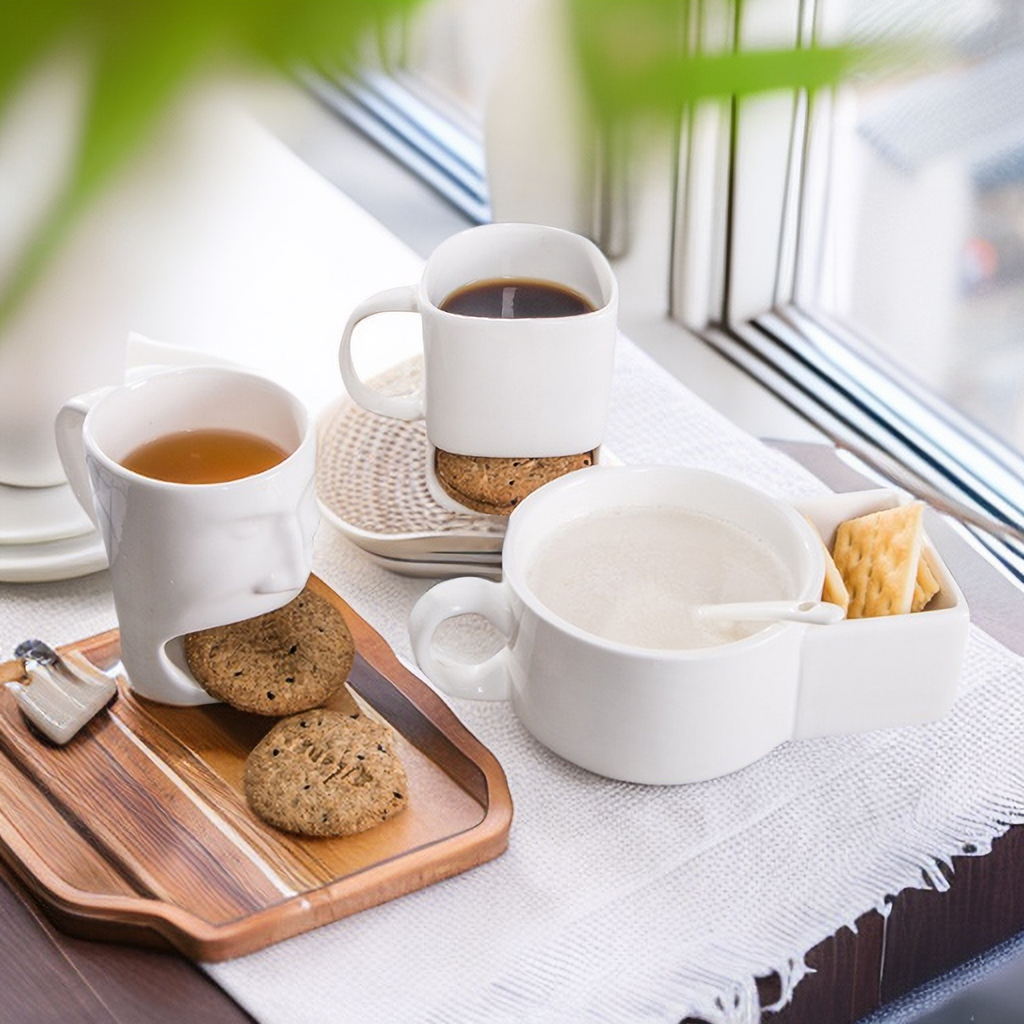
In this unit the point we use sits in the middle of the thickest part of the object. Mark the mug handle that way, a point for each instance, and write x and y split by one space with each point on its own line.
68 428
488 680
399 407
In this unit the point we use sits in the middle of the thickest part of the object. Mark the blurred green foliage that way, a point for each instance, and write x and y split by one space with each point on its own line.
141 53
635 55
651 57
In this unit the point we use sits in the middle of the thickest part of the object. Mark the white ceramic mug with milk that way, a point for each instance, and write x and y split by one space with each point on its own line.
190 552
612 547
607 665
518 381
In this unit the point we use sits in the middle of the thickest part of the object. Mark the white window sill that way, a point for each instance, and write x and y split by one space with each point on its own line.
413 213
225 240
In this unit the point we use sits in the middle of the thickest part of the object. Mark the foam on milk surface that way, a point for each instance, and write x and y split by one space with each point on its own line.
635 575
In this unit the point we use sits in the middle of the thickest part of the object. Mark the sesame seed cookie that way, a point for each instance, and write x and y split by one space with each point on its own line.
322 773
496 485
280 663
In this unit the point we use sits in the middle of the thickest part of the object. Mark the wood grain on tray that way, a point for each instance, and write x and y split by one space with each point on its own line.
138 829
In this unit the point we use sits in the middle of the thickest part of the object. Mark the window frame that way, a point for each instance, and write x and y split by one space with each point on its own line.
744 209
819 367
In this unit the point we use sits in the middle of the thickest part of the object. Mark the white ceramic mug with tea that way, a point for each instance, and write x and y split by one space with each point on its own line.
201 480
519 326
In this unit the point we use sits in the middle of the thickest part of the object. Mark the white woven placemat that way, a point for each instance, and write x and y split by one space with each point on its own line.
623 903
372 471
620 903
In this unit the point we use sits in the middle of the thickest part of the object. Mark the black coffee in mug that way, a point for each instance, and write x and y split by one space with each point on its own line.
516 299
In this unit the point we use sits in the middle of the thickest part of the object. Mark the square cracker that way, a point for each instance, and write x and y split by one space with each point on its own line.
925 587
833 589
878 556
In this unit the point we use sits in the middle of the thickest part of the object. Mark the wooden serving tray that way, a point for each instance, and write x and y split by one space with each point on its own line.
138 830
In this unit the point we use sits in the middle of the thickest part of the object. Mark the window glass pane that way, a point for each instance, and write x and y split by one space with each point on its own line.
921 203
454 47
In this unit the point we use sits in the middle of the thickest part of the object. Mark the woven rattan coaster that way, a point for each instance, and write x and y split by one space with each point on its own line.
372 481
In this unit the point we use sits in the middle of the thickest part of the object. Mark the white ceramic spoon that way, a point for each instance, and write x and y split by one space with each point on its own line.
818 613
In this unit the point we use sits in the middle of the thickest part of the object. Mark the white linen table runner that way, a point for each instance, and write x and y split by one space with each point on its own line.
620 903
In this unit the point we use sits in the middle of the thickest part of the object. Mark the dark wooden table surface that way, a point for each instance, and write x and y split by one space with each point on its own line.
46 976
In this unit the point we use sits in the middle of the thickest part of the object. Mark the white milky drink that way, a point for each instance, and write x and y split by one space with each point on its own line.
636 575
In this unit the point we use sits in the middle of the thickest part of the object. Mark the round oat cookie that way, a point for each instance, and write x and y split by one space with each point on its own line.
322 773
275 664
496 485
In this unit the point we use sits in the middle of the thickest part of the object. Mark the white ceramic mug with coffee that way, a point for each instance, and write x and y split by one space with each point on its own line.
189 548
528 375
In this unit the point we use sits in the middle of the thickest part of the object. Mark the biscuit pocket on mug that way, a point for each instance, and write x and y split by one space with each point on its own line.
896 658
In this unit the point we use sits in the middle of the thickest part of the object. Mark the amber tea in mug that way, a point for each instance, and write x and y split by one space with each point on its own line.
186 558
209 456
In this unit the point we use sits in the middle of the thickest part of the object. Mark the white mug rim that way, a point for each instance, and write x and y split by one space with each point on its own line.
302 419
514 574
608 279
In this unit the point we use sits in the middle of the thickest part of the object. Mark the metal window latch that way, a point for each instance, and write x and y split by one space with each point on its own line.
61 694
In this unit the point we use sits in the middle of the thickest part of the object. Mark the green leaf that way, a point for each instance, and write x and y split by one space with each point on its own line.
142 53
28 31
641 57
661 85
